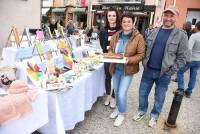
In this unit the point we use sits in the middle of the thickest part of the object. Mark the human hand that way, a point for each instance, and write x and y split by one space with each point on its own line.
126 60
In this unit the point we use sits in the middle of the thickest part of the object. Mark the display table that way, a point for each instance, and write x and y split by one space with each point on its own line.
68 108
32 121
65 109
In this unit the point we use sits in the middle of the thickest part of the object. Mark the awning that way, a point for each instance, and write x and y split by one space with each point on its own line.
45 10
139 13
58 10
80 10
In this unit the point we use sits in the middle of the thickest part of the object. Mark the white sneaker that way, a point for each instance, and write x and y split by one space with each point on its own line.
107 102
119 120
112 103
114 114
152 122
139 116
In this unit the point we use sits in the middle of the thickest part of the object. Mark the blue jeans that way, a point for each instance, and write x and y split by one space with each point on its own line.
193 66
148 78
121 84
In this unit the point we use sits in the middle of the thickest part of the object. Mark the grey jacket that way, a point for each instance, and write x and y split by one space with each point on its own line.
175 53
194 46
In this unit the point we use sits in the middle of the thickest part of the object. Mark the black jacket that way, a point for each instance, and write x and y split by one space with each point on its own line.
103 38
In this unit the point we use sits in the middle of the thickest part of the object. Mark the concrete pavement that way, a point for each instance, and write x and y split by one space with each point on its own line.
97 120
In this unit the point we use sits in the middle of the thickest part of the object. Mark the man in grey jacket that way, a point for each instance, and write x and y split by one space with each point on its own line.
166 48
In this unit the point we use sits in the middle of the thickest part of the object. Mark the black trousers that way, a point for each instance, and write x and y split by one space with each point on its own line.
108 80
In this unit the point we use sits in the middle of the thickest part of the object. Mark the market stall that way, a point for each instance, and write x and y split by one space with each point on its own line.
70 73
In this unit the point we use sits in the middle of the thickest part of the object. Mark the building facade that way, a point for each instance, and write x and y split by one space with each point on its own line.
143 13
189 10
156 17
74 10
18 13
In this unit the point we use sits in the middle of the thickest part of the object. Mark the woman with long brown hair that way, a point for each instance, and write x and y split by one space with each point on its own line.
111 27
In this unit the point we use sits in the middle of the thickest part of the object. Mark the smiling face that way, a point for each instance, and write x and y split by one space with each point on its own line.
169 19
127 24
112 17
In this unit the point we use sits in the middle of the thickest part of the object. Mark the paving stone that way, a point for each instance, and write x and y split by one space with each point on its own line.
97 120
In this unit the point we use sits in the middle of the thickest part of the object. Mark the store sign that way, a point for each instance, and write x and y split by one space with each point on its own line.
96 7
128 7
124 7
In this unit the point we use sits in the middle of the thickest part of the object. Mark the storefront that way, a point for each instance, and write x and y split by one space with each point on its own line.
142 13
80 16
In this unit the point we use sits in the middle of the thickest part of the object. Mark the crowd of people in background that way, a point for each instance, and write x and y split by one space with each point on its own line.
70 28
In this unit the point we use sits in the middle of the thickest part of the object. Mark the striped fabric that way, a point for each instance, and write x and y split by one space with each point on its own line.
110 33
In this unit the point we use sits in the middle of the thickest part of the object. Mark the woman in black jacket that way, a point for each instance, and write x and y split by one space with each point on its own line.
105 34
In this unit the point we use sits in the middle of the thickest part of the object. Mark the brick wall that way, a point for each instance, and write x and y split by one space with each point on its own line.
183 6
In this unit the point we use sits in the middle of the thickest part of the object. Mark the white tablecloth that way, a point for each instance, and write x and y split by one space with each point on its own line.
32 121
68 108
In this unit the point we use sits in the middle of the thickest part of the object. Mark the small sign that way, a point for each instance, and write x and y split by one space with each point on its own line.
39 35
